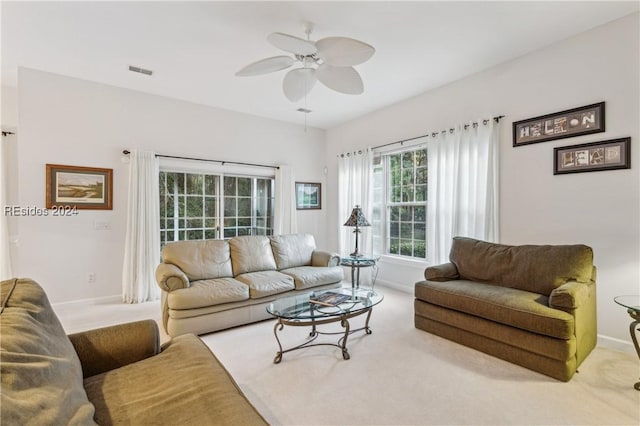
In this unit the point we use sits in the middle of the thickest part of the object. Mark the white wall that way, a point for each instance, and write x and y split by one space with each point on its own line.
600 209
64 120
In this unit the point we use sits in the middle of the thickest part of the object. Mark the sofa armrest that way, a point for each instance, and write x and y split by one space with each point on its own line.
570 295
108 348
324 258
169 277
442 272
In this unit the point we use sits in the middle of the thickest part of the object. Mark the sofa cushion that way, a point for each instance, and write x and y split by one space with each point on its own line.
538 269
208 293
266 283
313 276
251 254
183 385
40 373
525 310
200 260
293 250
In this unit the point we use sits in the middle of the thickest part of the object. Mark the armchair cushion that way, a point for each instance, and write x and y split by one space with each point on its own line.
38 362
538 269
200 259
517 308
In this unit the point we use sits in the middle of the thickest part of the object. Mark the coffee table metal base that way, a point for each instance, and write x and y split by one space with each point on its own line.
313 335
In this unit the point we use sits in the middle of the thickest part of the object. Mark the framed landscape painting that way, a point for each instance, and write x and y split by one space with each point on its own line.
79 187
308 196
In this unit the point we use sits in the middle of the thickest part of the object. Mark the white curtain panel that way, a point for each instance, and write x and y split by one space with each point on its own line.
5 253
142 243
355 171
285 214
463 187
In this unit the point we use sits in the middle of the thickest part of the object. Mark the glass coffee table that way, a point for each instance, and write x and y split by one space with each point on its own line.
300 311
632 303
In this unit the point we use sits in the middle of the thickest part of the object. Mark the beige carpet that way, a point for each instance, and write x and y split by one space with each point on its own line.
401 375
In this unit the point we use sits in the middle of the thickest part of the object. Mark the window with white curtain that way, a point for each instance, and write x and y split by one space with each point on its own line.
197 206
400 203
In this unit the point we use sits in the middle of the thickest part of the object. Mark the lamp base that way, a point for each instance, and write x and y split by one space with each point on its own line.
356 254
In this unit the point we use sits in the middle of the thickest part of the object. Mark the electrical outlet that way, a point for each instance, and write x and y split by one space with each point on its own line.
91 277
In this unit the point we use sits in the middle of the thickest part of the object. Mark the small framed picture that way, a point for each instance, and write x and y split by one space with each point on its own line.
79 187
590 157
308 196
564 124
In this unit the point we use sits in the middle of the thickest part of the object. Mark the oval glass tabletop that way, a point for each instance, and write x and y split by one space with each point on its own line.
319 304
630 301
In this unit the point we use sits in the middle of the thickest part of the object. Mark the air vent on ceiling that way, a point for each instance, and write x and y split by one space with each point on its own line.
306 111
140 70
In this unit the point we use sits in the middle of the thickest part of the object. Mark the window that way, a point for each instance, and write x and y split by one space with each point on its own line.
194 206
400 203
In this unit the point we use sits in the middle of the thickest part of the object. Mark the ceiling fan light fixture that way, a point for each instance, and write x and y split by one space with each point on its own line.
298 83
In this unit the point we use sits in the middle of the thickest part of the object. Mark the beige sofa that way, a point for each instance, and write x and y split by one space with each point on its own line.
534 306
211 285
116 375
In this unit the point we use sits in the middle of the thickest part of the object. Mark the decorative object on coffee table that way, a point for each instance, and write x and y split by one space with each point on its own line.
357 219
632 303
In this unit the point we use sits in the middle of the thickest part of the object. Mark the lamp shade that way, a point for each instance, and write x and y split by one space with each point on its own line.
357 218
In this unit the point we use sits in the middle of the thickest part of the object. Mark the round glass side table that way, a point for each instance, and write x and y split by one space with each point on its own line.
632 303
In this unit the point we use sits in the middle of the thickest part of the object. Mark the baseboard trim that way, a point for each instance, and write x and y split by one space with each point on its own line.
395 286
615 344
104 300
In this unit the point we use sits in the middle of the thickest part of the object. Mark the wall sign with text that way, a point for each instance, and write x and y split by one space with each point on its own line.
564 124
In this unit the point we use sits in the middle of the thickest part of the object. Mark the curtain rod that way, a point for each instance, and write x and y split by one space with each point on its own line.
6 133
127 152
451 130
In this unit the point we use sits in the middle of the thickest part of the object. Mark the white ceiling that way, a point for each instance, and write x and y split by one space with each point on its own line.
194 48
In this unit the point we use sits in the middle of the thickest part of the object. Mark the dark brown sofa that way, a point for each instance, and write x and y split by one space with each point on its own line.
534 306
113 375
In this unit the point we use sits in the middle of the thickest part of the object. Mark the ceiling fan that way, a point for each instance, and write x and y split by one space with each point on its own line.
329 60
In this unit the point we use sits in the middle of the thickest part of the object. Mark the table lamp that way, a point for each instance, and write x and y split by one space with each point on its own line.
356 219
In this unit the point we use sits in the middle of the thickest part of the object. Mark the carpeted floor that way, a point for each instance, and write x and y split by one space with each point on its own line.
398 375
401 375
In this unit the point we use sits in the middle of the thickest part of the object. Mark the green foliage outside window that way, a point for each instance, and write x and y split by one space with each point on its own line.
190 206
406 203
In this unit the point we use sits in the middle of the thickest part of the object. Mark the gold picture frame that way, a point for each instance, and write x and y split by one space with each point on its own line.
88 188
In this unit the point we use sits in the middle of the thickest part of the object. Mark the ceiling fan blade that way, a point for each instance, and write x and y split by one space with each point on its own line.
341 79
265 66
343 51
298 82
289 43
